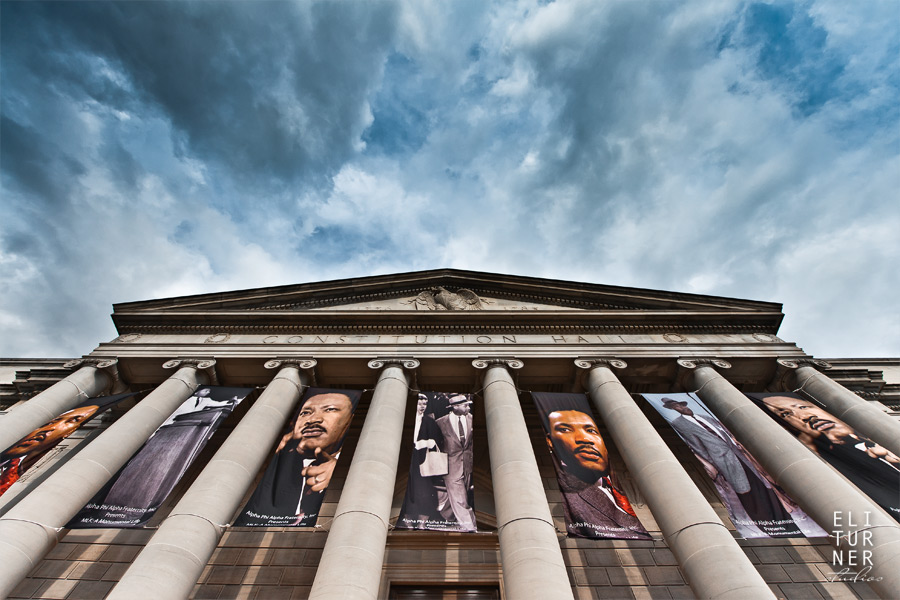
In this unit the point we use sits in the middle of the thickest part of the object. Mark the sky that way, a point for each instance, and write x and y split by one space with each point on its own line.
730 148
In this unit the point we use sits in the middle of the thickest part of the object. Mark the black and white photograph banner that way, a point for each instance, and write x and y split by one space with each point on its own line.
440 490
134 495
21 456
757 506
595 505
870 466
294 483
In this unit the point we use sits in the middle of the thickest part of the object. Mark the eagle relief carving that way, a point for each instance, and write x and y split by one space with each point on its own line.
439 298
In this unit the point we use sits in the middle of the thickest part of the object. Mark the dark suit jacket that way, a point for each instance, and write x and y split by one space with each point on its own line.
590 513
724 456
459 457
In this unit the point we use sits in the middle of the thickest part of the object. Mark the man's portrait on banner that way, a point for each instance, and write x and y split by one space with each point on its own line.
757 506
870 466
293 486
595 506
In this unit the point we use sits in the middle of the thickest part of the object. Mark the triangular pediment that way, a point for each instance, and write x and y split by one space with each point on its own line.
430 300
447 295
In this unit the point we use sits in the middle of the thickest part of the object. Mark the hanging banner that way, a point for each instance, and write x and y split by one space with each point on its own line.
134 495
595 506
291 490
871 467
22 455
758 507
439 494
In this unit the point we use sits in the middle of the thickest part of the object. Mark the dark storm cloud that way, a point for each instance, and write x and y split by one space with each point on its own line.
32 163
267 88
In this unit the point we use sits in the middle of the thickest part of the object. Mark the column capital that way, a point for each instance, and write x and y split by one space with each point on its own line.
694 362
507 361
784 371
591 362
405 362
794 362
109 365
292 361
208 365
687 364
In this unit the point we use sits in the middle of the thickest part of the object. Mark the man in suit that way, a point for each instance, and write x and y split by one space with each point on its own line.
456 428
870 466
594 507
293 486
722 457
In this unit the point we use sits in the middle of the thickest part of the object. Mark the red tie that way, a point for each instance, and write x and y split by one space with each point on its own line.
621 499
10 475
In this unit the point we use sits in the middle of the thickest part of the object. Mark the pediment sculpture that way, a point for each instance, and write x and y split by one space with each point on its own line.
440 298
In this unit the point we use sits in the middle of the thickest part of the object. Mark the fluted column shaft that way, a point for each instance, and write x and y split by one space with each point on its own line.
533 566
714 564
31 528
819 491
174 558
86 382
850 408
354 552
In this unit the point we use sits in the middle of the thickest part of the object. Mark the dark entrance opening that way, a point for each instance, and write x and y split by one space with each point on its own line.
444 592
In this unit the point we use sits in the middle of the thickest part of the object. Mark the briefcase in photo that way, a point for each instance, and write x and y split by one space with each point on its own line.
435 464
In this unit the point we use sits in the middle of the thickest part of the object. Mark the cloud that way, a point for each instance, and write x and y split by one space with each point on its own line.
734 148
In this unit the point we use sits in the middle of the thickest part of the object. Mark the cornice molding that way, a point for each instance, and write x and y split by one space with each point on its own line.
558 292
135 330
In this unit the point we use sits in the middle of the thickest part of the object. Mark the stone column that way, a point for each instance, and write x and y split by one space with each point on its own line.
712 561
354 552
93 378
533 566
31 528
174 558
863 416
819 490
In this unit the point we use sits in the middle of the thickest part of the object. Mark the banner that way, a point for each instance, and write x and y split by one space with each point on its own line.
870 466
22 455
290 493
595 506
439 494
758 507
134 495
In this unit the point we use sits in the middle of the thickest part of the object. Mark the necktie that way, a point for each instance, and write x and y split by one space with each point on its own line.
621 499
462 430
708 428
10 475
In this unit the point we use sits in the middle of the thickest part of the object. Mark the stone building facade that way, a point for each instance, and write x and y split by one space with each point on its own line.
495 336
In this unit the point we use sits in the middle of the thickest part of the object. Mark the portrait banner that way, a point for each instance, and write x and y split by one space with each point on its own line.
440 491
133 496
21 456
294 483
757 506
871 467
594 503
